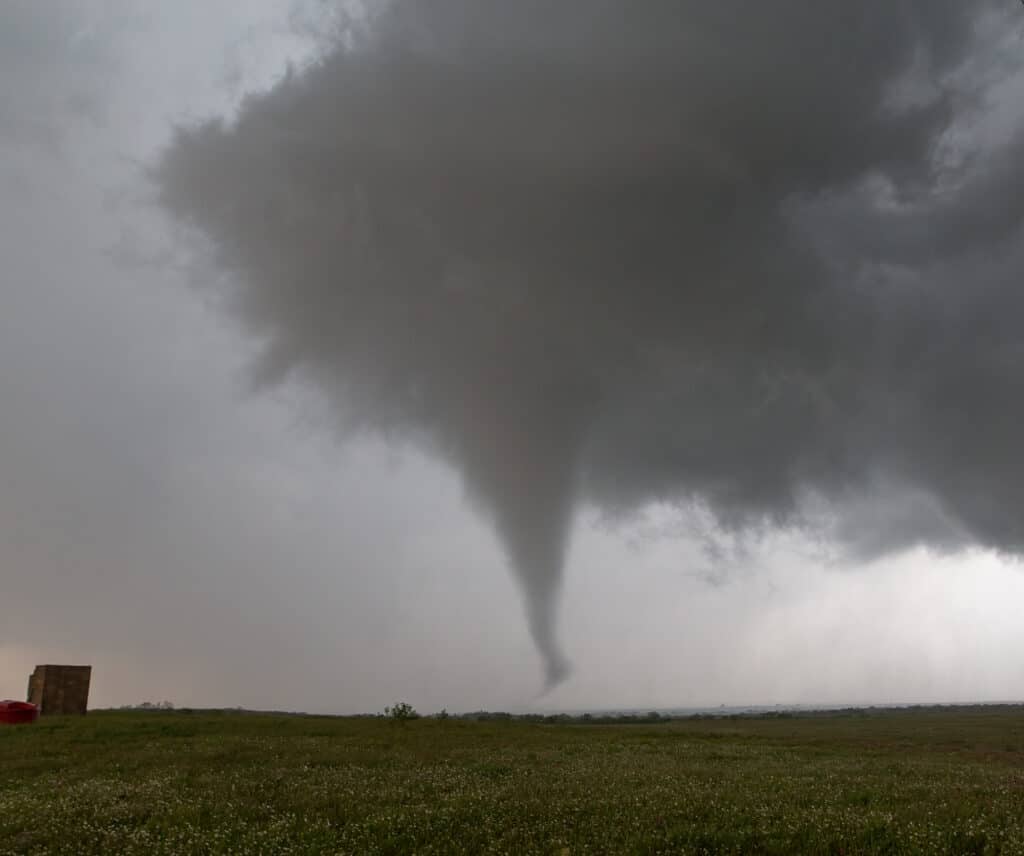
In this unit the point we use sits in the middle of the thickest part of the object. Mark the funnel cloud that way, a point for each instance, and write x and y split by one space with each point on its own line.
761 258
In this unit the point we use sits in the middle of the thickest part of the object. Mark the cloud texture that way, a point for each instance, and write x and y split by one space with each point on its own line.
745 256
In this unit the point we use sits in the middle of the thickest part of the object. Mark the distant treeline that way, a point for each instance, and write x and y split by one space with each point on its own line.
610 718
652 717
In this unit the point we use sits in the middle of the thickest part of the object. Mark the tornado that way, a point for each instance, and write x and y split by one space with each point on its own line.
759 257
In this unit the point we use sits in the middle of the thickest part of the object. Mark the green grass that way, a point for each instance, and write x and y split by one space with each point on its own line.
898 782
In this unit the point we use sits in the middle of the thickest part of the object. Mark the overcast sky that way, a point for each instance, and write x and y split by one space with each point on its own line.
216 492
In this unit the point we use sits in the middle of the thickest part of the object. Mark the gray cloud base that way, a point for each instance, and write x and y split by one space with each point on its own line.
616 252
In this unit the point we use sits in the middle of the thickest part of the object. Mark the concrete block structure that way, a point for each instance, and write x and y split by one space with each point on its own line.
60 690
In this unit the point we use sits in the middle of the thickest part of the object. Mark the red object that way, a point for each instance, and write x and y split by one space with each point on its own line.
18 712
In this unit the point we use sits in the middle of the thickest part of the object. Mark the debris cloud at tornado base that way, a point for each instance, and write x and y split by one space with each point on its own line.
762 258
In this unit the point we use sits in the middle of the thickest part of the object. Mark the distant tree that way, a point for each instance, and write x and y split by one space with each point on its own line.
149 705
401 712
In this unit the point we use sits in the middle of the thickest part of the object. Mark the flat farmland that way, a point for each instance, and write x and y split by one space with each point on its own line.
913 781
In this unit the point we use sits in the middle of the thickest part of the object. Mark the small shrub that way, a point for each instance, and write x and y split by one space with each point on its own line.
401 712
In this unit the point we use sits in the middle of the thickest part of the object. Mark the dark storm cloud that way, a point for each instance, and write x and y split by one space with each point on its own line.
617 252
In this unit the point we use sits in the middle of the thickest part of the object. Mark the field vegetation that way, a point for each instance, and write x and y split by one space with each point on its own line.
161 782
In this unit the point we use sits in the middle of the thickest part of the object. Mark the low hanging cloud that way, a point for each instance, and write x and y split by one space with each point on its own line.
740 255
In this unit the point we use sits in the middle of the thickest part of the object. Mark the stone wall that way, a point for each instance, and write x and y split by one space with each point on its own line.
60 690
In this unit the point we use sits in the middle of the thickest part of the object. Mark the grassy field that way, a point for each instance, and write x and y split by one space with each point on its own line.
947 781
